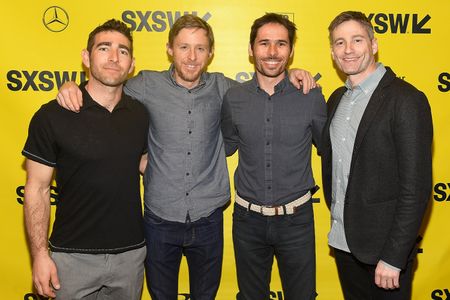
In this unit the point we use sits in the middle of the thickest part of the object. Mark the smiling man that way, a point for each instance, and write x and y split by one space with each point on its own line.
97 243
376 166
186 181
273 127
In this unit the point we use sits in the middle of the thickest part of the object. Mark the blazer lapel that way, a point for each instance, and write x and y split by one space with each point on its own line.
372 109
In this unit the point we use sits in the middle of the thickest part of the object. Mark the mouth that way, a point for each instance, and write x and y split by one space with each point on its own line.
350 59
191 66
272 62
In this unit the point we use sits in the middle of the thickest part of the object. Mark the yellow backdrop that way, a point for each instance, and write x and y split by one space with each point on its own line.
413 39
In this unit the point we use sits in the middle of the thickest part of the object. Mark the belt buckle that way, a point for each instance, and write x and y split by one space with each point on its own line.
276 208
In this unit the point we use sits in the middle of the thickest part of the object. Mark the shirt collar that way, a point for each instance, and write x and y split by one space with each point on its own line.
203 78
282 85
88 102
369 84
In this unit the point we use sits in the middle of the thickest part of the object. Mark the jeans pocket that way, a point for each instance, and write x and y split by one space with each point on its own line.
152 219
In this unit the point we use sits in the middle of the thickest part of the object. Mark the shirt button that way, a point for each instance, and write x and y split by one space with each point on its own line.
187 174
343 139
340 160
269 187
187 194
268 165
189 92
267 143
190 131
270 98
189 153
268 120
189 112
348 118
334 221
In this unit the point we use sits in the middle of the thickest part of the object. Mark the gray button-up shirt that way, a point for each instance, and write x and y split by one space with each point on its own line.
186 173
274 135
343 130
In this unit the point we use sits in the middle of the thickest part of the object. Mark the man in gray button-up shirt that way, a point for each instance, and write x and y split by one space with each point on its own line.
273 127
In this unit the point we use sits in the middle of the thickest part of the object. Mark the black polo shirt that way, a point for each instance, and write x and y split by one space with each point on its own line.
96 155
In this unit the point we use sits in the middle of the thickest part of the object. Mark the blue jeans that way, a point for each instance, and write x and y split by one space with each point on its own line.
202 244
290 238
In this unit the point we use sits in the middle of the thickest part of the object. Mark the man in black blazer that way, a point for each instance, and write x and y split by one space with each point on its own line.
376 166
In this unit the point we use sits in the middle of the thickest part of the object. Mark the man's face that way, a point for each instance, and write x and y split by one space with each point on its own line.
190 54
353 51
110 59
271 50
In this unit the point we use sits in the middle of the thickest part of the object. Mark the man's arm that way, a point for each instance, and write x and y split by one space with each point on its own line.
413 133
302 79
70 96
319 118
143 163
37 215
230 136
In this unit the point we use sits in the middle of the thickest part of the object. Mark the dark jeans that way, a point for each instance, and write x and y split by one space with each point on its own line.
202 244
358 280
257 239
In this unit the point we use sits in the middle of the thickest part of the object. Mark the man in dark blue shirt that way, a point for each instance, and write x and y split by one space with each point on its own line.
273 126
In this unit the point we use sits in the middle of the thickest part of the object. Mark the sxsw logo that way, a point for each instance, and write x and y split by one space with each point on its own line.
443 294
45 80
442 191
157 20
400 23
444 80
20 192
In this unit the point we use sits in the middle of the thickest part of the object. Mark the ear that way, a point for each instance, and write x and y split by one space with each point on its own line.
169 50
292 52
85 58
250 50
211 52
374 46
332 53
131 66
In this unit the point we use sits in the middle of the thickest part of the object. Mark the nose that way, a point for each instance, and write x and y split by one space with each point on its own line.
114 55
273 49
348 47
192 55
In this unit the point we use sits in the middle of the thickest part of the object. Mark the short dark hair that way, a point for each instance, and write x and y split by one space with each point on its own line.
191 21
273 18
351 16
110 25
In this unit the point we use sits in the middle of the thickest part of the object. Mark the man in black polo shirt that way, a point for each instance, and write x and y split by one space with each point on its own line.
273 125
97 243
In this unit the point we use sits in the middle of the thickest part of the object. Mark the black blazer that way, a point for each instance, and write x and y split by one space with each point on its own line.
389 184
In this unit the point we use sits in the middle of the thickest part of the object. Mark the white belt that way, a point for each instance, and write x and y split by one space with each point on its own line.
286 209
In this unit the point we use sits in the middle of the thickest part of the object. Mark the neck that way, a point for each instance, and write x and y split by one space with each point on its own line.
360 77
267 83
106 96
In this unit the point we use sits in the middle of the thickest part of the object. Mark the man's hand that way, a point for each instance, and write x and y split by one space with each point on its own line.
302 79
45 276
386 277
70 96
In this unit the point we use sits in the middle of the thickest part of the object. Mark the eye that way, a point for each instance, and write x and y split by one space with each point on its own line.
124 52
102 48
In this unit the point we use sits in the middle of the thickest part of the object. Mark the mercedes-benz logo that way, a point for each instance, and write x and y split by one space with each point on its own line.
55 19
